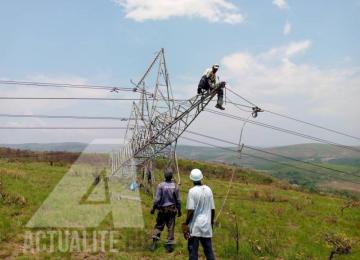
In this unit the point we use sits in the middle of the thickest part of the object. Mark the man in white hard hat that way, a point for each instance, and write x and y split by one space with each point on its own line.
208 81
200 217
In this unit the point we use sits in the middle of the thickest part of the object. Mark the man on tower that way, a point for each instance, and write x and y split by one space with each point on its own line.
208 82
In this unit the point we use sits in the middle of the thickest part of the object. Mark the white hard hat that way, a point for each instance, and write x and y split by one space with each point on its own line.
196 175
216 66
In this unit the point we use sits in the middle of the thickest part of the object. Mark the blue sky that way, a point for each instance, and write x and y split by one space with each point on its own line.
111 42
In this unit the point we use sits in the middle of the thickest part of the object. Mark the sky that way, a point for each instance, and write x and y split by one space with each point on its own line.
299 58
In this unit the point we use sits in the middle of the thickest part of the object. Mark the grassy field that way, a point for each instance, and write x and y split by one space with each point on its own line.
312 178
272 219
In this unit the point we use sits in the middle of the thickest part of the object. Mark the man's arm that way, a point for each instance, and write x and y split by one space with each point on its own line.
212 210
156 200
178 200
189 216
212 217
210 77
185 226
190 206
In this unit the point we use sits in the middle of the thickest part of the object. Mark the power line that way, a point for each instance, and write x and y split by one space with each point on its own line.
116 89
87 98
250 155
68 117
238 105
317 139
64 85
261 158
267 152
67 98
99 98
312 124
62 128
238 95
295 119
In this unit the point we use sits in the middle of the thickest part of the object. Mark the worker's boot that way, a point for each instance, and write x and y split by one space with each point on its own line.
220 102
153 245
220 107
169 248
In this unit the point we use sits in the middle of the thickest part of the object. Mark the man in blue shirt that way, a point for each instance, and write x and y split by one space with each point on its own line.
168 203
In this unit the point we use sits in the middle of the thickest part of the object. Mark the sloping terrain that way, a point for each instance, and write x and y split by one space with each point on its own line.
345 164
274 219
310 177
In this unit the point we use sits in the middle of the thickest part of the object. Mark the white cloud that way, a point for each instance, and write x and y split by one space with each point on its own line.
284 53
296 47
274 76
282 4
211 10
287 28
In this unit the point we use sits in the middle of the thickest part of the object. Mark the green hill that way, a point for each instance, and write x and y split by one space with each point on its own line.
274 220
305 175
309 177
42 147
308 152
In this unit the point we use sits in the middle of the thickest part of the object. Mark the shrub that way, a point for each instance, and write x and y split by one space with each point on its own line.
8 198
341 245
350 204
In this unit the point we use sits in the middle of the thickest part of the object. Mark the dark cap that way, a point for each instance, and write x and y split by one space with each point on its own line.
168 174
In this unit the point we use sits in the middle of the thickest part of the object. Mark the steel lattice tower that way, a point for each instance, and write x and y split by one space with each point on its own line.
157 120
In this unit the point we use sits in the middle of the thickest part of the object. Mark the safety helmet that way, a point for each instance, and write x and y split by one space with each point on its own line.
216 66
196 175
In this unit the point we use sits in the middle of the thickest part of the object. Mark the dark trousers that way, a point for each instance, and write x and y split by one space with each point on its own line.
220 97
166 216
193 247
204 86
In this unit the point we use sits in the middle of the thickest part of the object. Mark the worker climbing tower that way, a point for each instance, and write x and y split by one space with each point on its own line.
157 120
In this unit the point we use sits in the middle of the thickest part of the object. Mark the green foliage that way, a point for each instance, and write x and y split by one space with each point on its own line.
275 219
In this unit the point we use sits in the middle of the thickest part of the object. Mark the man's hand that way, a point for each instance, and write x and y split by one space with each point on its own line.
179 214
152 211
186 231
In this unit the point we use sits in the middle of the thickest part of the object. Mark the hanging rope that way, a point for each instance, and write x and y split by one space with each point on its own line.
240 148
226 196
177 169
255 108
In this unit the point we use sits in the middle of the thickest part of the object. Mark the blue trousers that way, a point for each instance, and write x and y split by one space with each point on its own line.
193 247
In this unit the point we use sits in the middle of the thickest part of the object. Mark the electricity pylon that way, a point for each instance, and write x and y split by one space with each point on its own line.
157 120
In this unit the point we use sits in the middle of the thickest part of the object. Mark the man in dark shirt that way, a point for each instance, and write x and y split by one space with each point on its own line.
168 203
